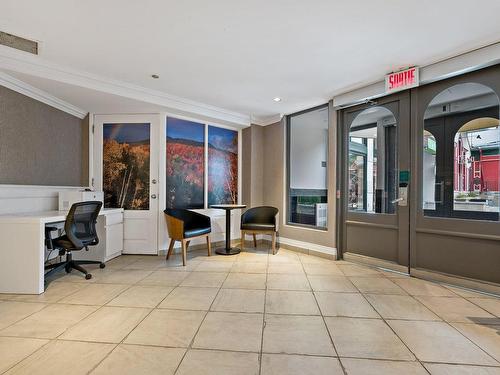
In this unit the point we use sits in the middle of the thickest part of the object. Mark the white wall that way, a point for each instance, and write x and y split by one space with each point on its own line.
308 149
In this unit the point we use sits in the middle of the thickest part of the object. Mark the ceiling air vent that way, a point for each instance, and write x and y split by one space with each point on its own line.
19 43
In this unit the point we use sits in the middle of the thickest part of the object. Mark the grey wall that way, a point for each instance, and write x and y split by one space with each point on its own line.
253 166
41 145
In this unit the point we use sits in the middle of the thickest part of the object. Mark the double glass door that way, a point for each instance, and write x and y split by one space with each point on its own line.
420 187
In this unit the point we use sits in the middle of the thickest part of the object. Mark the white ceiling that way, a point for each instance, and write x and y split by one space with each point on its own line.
238 55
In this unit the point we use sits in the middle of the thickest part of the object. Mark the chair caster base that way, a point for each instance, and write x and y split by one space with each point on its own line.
88 276
102 265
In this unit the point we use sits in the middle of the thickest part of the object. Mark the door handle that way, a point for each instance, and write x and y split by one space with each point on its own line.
153 196
397 200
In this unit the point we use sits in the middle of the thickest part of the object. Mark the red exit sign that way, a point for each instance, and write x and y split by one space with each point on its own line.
401 80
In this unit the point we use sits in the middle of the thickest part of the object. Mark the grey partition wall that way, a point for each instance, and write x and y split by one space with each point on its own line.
41 145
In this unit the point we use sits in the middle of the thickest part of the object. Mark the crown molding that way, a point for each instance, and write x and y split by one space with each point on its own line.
42 96
267 120
23 62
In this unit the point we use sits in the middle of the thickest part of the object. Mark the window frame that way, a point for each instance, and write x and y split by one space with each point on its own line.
288 169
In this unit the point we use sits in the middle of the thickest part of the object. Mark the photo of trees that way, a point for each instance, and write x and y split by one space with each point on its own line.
126 153
222 166
185 164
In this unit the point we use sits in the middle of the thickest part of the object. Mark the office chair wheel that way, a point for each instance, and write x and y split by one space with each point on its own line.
102 265
88 276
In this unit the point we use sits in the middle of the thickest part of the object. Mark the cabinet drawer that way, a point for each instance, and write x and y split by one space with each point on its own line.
114 218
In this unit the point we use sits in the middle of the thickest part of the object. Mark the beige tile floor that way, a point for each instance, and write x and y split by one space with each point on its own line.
253 313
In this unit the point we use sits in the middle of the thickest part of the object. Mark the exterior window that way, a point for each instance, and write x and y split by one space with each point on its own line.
461 154
373 162
307 168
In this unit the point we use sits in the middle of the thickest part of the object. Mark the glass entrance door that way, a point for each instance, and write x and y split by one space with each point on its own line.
455 228
375 149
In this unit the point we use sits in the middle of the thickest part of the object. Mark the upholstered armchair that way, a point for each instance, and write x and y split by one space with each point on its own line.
184 226
260 220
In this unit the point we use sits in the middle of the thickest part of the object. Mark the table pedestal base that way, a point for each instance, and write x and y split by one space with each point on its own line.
231 251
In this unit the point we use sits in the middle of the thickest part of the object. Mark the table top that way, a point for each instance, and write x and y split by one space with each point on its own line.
228 206
46 216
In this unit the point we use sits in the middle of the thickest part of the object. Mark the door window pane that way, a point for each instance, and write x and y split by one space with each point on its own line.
461 153
126 149
307 172
372 180
185 163
222 166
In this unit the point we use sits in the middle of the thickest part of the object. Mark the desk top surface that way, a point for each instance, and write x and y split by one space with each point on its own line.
46 216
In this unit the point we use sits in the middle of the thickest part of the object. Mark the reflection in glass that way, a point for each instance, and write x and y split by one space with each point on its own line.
461 153
126 149
372 166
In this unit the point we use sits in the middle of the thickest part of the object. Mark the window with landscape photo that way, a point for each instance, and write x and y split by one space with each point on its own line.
185 163
126 153
222 166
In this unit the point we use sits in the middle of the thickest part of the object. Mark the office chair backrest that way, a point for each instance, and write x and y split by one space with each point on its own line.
80 225
260 215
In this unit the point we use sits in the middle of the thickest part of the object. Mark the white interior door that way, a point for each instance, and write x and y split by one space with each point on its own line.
126 169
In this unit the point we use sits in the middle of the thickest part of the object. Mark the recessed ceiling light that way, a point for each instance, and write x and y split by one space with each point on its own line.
155 76
277 99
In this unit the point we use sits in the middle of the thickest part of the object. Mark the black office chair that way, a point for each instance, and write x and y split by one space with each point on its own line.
80 233
184 226
260 220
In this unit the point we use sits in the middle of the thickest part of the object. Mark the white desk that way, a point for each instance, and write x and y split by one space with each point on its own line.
22 246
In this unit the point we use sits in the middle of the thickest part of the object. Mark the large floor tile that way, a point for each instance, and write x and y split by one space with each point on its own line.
135 359
249 267
366 338
230 331
254 257
458 310
285 364
278 281
345 304
63 357
443 369
189 298
288 268
15 349
438 342
49 322
122 276
322 269
400 307
164 278
245 281
417 287
350 269
108 324
207 362
148 263
486 337
174 328
492 305
54 292
377 285
141 296
11 311
322 283
204 279
95 294
239 300
214 267
296 335
291 302
355 366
